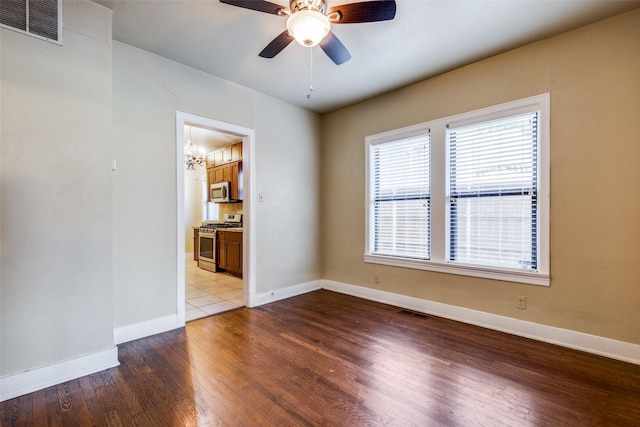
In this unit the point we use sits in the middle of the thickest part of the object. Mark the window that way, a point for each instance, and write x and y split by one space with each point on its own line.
210 210
492 192
401 197
467 194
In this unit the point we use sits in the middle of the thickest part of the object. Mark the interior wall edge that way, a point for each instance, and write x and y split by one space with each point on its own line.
287 292
145 328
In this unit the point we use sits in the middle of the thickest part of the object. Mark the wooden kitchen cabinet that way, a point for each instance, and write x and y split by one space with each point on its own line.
231 153
225 165
221 173
236 187
236 152
228 154
232 173
214 158
210 178
230 252
217 157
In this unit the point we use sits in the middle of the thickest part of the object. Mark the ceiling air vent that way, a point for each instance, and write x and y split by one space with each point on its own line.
38 18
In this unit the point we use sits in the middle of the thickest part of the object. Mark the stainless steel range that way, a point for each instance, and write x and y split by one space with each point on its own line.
207 251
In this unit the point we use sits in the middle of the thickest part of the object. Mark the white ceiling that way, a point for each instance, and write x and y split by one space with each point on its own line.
426 38
209 139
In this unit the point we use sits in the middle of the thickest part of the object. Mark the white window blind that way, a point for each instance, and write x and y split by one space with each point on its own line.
492 189
400 197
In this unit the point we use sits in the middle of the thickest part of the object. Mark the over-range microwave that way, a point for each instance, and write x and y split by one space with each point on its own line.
219 192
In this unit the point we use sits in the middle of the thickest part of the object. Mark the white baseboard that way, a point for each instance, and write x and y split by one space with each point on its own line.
26 382
291 291
144 329
594 344
36 379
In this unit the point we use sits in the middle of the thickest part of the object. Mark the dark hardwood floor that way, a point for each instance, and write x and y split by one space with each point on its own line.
326 359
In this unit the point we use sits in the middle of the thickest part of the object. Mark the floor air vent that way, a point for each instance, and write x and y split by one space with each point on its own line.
414 314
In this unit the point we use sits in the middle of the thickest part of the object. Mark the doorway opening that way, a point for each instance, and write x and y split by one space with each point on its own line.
205 291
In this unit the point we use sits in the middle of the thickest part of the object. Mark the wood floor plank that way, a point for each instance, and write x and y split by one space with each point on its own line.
326 359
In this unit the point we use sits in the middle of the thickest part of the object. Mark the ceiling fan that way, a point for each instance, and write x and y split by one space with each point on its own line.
309 22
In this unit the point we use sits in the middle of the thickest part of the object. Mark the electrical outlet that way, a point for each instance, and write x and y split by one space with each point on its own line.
376 278
522 303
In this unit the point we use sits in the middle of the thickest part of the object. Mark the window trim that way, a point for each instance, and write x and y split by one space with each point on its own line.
439 220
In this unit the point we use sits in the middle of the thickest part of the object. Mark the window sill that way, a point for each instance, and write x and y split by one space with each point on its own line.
530 278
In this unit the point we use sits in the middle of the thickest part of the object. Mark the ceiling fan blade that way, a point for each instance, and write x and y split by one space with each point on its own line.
335 49
276 45
259 5
366 11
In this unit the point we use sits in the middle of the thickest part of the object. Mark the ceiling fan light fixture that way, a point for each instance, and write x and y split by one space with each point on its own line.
308 27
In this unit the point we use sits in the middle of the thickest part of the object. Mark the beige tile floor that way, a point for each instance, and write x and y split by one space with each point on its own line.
209 293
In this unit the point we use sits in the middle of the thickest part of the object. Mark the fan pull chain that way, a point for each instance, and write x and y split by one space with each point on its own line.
310 72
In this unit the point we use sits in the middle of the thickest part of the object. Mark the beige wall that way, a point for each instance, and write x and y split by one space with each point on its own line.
593 77
56 222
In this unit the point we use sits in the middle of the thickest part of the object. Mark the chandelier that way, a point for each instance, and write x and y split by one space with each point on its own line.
193 154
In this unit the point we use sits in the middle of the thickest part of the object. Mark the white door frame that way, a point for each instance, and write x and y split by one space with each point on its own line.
248 217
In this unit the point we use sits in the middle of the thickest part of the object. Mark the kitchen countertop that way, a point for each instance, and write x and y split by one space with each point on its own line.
233 229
